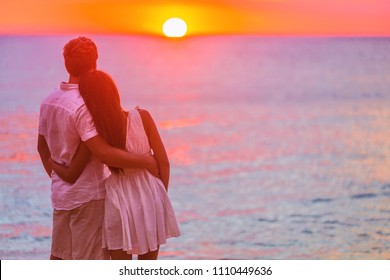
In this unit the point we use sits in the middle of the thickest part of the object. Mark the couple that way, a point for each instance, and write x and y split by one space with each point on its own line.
100 213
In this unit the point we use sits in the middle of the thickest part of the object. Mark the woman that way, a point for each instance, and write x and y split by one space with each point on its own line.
138 214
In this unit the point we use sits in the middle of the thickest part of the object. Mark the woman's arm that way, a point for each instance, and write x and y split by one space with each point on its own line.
157 146
79 161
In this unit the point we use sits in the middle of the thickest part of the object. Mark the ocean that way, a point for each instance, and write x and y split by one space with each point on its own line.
279 146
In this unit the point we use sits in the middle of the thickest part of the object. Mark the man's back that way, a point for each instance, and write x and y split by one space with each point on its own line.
64 119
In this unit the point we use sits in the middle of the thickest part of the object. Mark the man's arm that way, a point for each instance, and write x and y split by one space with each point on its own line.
119 158
44 153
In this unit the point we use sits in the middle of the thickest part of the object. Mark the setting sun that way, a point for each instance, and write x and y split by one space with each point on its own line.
174 27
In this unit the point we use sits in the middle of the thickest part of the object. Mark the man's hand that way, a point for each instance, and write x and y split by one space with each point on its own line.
153 168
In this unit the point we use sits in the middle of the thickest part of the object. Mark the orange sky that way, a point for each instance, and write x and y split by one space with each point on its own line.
267 17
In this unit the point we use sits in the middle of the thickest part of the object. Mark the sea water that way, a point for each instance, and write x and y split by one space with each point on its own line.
279 146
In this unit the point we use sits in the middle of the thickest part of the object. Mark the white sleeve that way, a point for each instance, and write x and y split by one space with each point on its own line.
84 124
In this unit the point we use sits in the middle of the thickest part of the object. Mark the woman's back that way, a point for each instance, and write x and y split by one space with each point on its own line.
138 215
136 139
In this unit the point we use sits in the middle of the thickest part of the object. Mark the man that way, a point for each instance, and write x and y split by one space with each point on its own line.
63 123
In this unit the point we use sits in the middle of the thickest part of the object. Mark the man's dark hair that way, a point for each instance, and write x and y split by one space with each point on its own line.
80 56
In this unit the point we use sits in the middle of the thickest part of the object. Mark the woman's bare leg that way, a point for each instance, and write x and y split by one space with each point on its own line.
149 255
120 255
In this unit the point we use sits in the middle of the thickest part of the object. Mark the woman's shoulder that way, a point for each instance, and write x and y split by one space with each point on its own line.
146 118
145 115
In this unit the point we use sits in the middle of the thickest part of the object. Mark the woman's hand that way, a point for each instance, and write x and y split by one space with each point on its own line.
72 172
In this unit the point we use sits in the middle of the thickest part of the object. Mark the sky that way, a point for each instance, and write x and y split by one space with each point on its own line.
203 17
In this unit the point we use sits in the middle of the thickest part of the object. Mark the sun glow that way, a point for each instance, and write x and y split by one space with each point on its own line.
174 27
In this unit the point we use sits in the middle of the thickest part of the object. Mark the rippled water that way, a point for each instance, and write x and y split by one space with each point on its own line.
279 147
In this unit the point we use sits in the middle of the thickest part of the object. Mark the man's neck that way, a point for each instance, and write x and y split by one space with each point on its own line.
73 80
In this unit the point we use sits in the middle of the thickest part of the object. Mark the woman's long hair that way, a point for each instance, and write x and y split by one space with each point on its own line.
102 99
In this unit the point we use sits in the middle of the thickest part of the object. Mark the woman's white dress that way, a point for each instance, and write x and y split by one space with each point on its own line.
138 213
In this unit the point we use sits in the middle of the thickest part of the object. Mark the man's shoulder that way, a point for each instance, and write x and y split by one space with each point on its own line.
69 99
51 96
